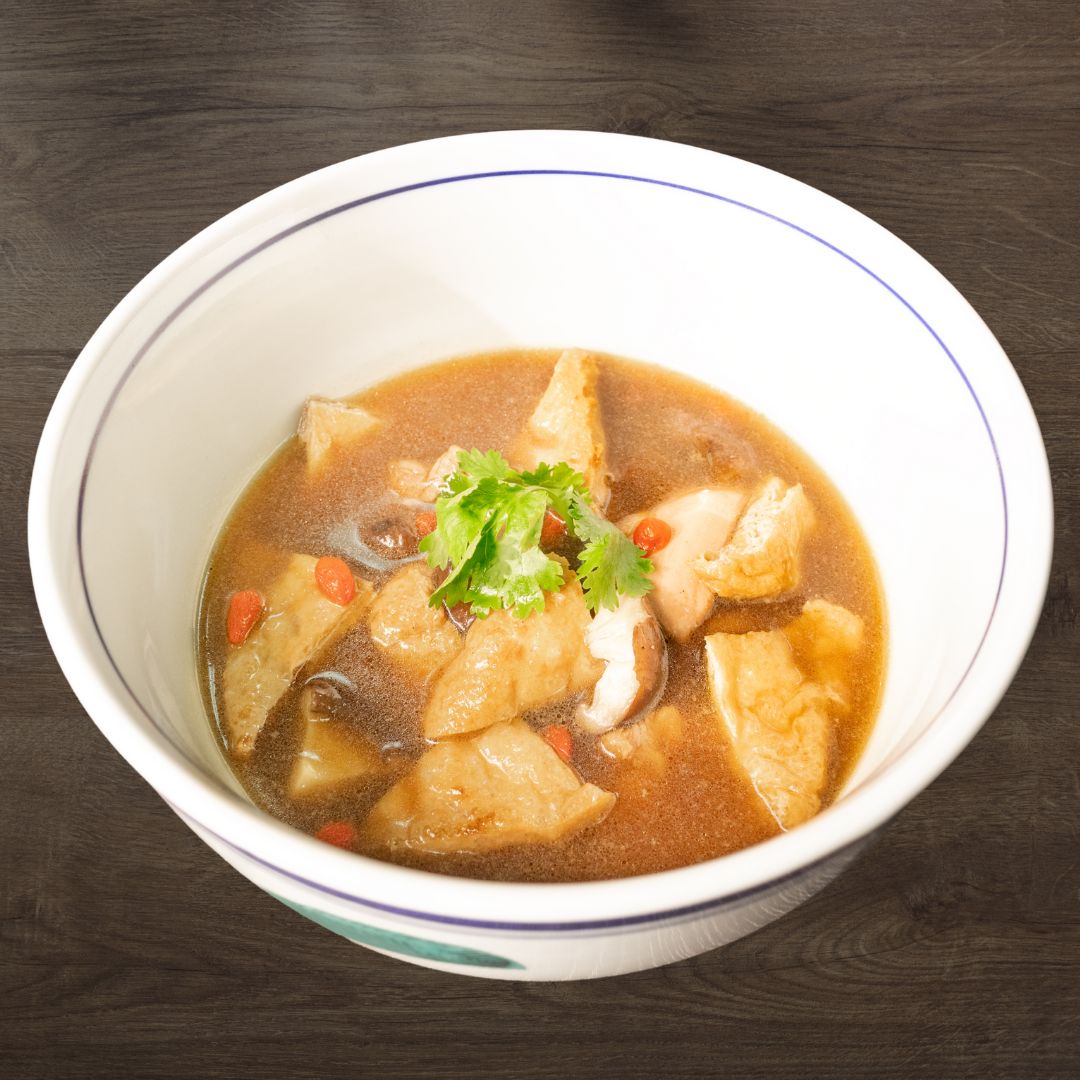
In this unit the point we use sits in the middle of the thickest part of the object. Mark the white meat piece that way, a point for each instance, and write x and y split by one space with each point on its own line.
700 521
416 637
777 721
762 558
297 624
413 480
331 755
510 665
649 743
826 637
566 425
500 787
629 642
325 423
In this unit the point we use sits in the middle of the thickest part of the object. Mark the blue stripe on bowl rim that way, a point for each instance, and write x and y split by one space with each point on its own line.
214 279
687 913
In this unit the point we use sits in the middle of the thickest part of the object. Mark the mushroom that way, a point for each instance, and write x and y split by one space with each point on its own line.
630 643
321 696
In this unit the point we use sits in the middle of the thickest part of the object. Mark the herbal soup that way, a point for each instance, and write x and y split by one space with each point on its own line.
541 617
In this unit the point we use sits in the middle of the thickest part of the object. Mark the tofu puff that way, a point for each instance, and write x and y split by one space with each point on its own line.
502 787
779 714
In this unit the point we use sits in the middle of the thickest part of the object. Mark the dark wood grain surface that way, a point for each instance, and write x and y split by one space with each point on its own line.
128 949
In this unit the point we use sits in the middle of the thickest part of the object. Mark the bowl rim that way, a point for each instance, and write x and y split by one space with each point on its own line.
370 883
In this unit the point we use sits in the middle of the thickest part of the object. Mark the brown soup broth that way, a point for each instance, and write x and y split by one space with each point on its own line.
665 433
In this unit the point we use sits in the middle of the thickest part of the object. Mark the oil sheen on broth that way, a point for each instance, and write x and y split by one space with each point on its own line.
665 435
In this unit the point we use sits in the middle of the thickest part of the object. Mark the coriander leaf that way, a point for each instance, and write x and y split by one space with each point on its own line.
562 484
457 587
477 464
611 566
487 536
519 516
524 577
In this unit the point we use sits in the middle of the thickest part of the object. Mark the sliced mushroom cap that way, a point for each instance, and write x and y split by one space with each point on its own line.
321 697
631 644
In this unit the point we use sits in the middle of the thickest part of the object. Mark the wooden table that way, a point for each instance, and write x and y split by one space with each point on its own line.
951 949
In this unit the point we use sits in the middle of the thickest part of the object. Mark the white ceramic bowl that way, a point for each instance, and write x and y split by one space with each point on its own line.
750 281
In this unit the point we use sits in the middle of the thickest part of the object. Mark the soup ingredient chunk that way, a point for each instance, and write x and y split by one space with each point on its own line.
299 623
325 423
649 743
776 720
826 637
700 521
415 636
412 480
389 537
511 665
762 556
331 755
629 642
503 786
566 425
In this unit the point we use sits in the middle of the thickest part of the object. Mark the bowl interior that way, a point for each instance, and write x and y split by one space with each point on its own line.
770 294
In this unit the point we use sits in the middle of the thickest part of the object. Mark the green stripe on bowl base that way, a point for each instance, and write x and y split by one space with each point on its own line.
405 944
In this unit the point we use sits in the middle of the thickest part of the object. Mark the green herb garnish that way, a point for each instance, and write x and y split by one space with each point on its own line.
487 537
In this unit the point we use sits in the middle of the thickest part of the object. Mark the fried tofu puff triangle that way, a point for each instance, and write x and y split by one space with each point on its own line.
414 636
566 426
762 558
326 425
500 787
510 665
777 695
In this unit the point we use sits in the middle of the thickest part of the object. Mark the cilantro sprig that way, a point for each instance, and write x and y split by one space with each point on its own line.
487 537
